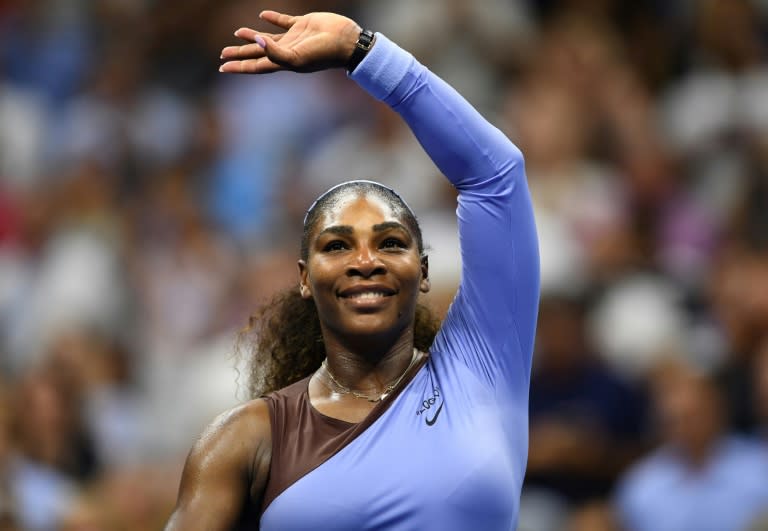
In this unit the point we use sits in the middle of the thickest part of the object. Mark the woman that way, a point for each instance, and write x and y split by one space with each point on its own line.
382 434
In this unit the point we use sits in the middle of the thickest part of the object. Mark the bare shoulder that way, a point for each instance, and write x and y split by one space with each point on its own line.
248 421
240 437
226 471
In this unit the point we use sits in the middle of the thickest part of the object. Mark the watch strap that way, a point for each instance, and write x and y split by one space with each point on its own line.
362 47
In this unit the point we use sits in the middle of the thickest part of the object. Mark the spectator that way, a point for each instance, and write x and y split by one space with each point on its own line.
700 477
587 421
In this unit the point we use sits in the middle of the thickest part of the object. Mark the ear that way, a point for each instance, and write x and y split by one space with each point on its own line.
425 284
304 289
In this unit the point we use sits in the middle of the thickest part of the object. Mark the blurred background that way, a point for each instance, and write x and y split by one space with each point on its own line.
148 204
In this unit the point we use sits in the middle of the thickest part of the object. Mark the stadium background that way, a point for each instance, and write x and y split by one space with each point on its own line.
148 203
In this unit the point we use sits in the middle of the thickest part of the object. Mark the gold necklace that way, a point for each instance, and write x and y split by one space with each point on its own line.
344 390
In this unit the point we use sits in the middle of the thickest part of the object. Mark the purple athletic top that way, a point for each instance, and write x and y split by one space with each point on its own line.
449 451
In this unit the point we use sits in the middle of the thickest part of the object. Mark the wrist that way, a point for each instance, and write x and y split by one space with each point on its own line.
363 43
348 40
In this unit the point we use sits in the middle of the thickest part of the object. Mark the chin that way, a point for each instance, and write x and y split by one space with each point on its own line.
371 325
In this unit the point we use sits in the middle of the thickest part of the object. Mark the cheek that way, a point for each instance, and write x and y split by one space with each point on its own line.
410 275
321 276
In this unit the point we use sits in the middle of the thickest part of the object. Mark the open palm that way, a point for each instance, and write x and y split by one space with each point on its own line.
316 41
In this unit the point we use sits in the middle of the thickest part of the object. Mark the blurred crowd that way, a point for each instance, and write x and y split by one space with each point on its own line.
148 204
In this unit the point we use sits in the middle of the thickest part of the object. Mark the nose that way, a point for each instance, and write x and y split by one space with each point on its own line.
366 263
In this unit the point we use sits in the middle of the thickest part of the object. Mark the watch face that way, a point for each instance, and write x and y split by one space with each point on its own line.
365 40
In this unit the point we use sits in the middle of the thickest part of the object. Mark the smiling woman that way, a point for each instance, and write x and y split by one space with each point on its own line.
367 414
364 272
286 332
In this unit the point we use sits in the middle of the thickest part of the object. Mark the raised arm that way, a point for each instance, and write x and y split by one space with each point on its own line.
225 473
494 316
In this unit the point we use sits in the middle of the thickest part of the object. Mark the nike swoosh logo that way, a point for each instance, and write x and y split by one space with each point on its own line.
431 421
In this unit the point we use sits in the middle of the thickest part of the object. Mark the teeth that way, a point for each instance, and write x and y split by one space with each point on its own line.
367 295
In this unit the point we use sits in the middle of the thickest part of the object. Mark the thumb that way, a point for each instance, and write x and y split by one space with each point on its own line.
276 53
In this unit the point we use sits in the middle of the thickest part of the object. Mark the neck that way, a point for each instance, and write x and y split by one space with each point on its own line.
369 370
698 454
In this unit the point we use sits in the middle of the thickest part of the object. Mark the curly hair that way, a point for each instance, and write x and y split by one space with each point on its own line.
283 341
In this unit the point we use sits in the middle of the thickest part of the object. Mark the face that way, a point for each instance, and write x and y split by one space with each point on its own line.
363 270
689 410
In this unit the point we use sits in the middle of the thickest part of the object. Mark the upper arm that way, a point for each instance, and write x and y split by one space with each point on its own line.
499 289
491 323
226 470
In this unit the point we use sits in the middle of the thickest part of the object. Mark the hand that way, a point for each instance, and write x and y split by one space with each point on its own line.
312 42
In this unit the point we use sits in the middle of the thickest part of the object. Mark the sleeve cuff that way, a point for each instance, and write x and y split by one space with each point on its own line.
382 70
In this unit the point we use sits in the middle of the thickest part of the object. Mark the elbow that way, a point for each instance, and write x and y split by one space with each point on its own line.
512 164
505 156
516 155
516 159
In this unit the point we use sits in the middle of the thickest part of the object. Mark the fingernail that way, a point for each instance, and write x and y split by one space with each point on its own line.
260 41
221 68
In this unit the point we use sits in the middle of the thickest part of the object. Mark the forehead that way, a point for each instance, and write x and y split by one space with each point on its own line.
358 210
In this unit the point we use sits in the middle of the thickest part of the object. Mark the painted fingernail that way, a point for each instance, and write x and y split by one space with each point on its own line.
260 41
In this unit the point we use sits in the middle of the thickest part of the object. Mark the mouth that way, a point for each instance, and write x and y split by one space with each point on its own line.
366 293
365 296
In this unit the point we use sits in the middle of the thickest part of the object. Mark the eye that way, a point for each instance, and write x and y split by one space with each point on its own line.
334 245
393 243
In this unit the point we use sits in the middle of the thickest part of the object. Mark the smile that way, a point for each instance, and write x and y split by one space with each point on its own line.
366 295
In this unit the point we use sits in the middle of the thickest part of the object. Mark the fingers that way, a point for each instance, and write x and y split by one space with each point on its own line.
247 51
281 55
262 57
261 65
252 35
278 19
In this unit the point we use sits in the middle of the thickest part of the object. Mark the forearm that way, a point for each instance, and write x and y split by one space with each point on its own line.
466 147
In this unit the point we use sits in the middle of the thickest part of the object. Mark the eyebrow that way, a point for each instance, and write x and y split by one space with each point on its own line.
343 230
346 230
380 227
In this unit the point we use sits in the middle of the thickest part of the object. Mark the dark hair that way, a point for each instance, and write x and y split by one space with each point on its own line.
283 340
331 198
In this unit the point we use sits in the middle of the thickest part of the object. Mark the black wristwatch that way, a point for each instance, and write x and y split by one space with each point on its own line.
363 45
